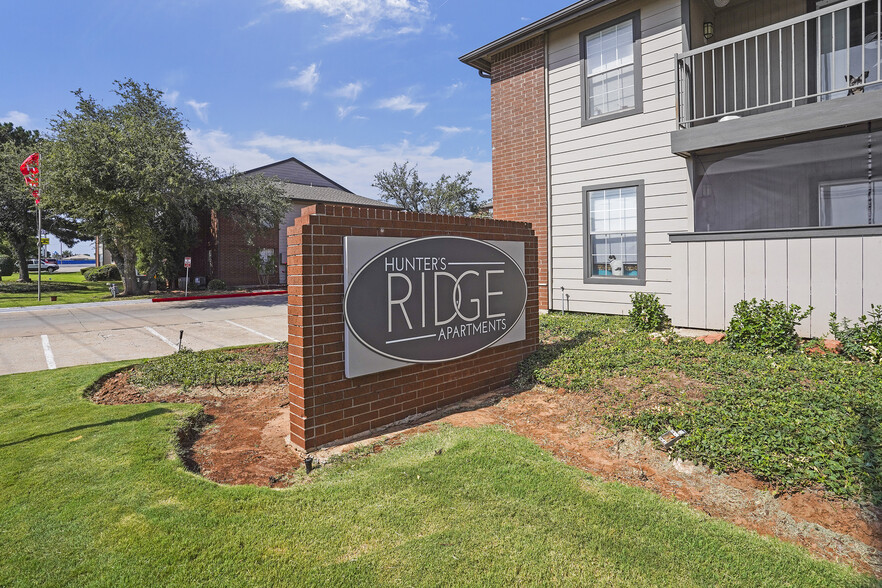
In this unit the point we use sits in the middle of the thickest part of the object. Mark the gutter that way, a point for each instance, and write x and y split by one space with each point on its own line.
549 279
478 57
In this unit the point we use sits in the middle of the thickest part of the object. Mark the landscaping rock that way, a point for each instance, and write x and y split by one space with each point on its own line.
712 338
832 345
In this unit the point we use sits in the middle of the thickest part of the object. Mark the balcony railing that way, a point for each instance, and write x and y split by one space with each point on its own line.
823 55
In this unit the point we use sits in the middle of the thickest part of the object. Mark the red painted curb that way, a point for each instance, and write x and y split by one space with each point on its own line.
209 296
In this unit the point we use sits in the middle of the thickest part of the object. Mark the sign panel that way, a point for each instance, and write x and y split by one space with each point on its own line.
44 240
186 262
429 300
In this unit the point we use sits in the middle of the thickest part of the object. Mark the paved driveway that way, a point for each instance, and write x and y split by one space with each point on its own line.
78 334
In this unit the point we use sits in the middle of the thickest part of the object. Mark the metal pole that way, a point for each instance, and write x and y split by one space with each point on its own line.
187 283
39 251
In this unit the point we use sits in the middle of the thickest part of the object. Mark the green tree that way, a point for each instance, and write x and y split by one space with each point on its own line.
455 196
18 213
127 171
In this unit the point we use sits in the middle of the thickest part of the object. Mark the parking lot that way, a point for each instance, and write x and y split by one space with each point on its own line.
34 339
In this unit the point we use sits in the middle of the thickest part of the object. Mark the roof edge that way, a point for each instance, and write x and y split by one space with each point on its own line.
304 165
478 57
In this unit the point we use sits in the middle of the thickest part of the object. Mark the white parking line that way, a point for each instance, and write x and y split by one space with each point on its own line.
47 351
253 331
170 344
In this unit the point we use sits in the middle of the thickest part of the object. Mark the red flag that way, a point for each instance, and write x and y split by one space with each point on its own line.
30 169
30 165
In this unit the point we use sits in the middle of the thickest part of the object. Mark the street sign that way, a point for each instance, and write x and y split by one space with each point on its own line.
187 262
44 241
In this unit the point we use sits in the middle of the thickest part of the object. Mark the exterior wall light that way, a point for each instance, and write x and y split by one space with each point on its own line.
708 30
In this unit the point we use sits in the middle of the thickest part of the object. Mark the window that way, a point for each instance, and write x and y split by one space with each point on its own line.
614 234
850 204
611 81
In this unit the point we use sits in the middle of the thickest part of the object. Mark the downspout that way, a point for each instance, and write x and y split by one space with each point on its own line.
549 281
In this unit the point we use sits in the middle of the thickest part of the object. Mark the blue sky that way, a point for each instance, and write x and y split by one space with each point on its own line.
347 86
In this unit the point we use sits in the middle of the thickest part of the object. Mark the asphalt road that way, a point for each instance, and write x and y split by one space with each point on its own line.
50 337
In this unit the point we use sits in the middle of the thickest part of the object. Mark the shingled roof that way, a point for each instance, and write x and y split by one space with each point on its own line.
331 195
302 183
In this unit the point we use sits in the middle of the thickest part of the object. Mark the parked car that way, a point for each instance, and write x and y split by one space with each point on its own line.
44 265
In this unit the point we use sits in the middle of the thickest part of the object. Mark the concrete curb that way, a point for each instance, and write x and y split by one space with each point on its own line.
211 296
68 306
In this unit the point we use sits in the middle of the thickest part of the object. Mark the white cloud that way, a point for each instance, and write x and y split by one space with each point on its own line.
171 97
453 89
18 119
353 18
220 149
453 130
402 103
344 111
355 167
446 30
349 91
200 109
306 80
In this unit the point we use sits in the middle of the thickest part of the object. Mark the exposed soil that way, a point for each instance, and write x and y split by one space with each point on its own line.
245 440
245 444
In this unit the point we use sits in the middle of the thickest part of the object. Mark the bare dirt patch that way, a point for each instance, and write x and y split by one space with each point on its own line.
245 444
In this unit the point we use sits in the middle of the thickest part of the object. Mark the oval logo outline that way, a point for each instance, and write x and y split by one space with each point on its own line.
349 288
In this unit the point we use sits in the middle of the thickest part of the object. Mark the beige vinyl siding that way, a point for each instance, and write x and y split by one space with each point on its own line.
831 274
631 148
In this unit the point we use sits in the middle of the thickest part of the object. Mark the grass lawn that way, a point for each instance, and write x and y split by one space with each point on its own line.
69 287
95 495
795 420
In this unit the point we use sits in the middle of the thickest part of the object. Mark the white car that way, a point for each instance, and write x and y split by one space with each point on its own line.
44 266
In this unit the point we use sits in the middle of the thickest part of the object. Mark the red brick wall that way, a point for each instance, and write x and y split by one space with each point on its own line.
203 253
517 108
325 405
233 263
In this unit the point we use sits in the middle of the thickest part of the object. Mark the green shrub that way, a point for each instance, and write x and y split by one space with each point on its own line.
83 270
104 273
861 340
7 266
647 313
765 325
217 284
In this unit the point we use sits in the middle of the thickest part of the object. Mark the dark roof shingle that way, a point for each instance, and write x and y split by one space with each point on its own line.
329 195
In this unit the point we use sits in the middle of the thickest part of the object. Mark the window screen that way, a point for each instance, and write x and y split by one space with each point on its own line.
827 181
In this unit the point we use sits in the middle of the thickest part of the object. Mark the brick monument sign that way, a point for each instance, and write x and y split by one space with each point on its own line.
392 314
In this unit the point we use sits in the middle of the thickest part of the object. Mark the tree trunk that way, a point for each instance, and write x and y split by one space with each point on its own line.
127 271
22 253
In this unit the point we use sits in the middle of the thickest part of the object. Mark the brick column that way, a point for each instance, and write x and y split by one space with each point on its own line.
517 107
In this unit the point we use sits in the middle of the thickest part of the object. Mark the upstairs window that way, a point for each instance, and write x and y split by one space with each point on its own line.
611 70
